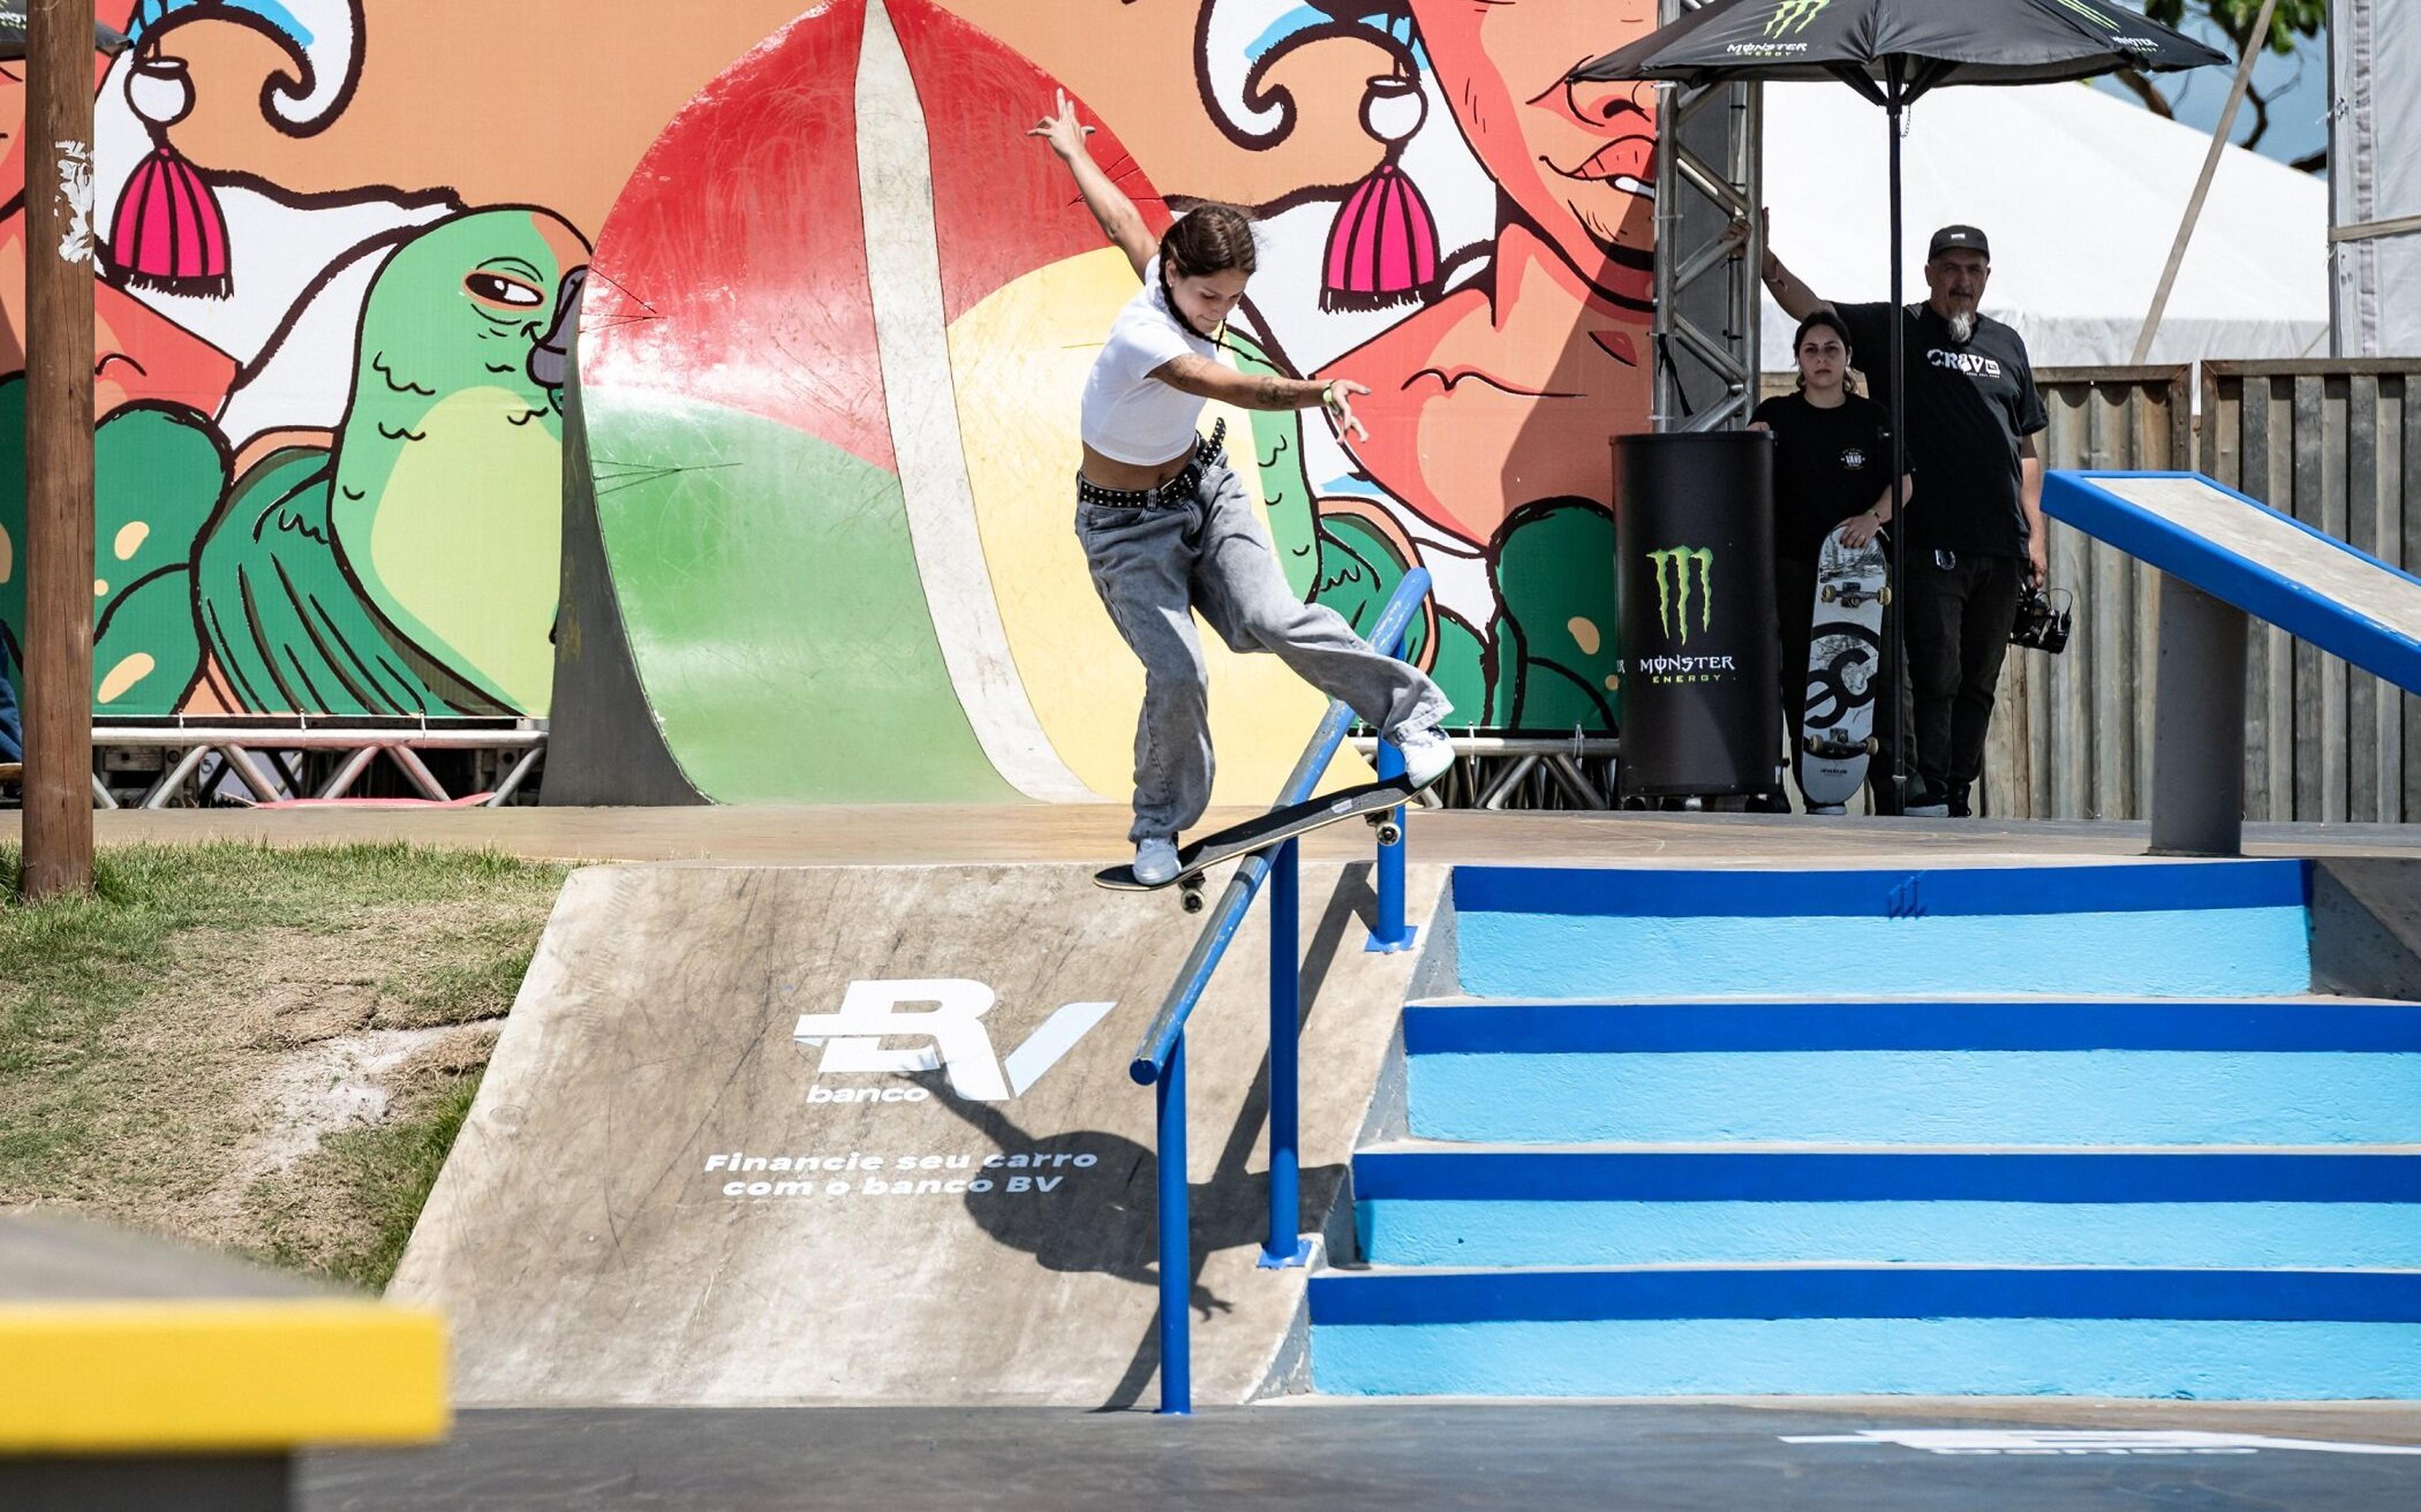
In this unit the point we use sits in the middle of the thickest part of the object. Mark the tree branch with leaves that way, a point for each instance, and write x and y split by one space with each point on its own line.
2290 24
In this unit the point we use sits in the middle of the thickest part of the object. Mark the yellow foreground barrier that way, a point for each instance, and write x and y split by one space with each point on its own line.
131 1368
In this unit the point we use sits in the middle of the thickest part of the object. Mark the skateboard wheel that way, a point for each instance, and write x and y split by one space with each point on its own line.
1824 594
1191 899
1883 597
1391 834
1874 747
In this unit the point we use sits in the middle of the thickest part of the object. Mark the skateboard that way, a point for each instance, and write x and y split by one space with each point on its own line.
1844 660
1374 802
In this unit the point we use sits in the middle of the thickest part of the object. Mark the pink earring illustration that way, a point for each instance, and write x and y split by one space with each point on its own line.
1383 247
169 234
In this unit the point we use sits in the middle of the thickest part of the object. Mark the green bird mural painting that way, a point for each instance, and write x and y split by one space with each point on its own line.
412 566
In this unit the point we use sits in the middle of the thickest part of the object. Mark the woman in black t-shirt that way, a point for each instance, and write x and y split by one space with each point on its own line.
1832 453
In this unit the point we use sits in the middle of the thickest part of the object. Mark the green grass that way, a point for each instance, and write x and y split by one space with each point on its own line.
137 1023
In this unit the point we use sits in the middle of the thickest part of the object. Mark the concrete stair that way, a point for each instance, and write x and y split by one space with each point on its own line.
1672 1133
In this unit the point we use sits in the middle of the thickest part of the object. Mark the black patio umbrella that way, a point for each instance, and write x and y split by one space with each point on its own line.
12 34
1892 52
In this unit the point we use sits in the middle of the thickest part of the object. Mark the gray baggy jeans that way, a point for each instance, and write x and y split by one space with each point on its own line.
1154 568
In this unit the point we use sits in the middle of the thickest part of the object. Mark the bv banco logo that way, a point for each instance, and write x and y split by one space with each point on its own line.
948 1016
1683 573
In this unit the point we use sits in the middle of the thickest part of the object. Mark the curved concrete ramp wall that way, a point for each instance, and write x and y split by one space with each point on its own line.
831 364
840 317
944 1193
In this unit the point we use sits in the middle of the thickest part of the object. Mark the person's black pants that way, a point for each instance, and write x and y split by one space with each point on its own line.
1959 620
1794 607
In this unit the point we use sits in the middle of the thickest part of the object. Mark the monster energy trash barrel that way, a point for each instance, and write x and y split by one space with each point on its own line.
1693 527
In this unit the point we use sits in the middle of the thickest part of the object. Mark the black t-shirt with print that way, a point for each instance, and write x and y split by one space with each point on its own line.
1828 465
1968 404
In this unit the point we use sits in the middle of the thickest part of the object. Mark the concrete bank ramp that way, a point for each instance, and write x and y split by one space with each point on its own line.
760 1135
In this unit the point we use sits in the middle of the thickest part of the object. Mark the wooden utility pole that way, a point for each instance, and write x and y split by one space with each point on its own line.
58 703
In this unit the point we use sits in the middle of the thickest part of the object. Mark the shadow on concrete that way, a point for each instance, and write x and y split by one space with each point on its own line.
1117 1233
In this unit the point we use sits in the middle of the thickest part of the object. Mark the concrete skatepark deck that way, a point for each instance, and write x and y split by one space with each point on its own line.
696 1173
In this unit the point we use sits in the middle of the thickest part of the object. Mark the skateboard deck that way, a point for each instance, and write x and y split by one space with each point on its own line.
1370 800
1844 667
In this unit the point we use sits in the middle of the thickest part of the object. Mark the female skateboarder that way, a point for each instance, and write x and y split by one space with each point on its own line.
1165 526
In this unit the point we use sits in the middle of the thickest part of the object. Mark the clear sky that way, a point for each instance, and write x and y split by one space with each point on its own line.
2297 88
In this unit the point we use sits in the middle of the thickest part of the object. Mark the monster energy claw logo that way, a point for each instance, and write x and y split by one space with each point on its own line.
1672 567
2088 12
1793 15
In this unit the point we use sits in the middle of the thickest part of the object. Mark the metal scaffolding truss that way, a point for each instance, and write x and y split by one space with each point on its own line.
1709 170
268 760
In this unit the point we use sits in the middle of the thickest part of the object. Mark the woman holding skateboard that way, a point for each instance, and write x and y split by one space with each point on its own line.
1166 527
1832 448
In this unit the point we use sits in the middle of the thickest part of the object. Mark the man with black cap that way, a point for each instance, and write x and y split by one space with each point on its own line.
1973 536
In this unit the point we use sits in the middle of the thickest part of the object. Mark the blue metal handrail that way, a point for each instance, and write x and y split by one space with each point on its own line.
1160 1058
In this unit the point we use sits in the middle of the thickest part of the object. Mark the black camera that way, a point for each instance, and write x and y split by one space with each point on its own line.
2041 625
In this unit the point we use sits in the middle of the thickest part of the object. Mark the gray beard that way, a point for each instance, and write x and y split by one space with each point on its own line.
1962 327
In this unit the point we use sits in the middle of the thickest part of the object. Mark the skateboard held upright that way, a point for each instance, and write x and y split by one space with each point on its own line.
1844 671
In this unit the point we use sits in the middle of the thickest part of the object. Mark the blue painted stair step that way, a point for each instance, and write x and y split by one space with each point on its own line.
1846 1330
2050 1071
1420 1204
2158 929
2078 1129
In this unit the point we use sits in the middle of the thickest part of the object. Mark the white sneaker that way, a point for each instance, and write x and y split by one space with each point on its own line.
1428 755
1155 862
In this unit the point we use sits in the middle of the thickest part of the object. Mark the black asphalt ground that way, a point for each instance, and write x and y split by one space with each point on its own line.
1377 1458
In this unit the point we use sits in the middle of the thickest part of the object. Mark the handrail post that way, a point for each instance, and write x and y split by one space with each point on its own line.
1175 1242
1158 1060
1285 1247
1391 934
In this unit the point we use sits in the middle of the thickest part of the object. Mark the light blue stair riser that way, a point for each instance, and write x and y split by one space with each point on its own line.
2249 952
2231 1235
1921 1096
2163 930
1859 1356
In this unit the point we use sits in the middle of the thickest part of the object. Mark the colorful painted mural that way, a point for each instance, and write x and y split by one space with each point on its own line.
838 311
340 239
844 307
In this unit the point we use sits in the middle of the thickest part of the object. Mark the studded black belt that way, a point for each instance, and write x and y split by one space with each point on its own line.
1208 451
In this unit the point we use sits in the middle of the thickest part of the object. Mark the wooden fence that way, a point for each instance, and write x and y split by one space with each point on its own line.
2337 444
2071 735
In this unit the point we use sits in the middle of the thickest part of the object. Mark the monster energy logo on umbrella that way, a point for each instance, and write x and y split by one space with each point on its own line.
2088 12
1673 580
1793 15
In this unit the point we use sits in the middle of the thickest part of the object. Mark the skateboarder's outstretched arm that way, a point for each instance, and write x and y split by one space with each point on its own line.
1121 220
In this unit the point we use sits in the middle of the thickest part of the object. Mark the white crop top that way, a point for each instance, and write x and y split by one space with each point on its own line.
1127 416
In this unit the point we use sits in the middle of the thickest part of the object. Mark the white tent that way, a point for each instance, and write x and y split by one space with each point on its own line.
2080 195
2374 153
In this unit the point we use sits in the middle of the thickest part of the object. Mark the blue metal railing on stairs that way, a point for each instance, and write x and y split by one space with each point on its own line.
1160 1058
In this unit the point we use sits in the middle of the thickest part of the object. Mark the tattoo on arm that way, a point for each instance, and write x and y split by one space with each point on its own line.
1271 393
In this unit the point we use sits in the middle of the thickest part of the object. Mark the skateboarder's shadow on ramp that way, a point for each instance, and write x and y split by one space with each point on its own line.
1103 1219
